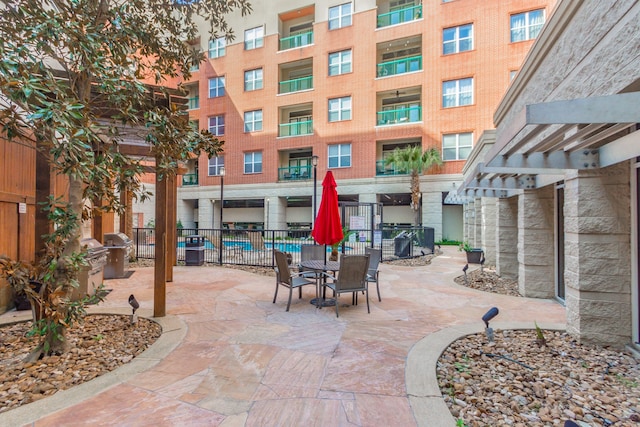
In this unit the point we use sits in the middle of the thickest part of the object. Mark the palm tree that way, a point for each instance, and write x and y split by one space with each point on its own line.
413 160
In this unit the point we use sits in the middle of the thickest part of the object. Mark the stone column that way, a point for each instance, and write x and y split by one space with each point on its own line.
536 243
432 212
278 212
488 231
469 221
597 255
476 236
507 237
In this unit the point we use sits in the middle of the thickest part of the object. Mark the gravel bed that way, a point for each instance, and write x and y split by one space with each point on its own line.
99 345
514 381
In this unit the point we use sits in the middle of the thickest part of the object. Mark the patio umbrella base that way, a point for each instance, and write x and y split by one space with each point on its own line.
322 302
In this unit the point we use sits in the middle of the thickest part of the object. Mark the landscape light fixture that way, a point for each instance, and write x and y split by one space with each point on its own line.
133 302
493 312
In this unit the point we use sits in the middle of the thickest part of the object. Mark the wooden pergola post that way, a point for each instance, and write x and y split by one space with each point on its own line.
161 265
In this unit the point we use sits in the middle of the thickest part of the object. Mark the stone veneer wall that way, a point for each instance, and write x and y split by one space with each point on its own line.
489 230
598 261
507 237
535 243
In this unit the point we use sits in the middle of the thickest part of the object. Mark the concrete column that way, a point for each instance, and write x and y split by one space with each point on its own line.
488 232
278 213
432 212
507 237
597 255
536 243
206 213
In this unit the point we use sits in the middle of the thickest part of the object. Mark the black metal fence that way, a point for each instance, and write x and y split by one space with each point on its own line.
255 247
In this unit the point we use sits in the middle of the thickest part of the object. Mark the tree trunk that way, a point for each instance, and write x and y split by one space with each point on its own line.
415 197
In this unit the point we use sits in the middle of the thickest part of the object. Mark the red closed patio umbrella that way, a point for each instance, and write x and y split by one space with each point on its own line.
327 228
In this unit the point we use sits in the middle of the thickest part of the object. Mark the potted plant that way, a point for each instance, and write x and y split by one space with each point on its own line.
334 248
474 255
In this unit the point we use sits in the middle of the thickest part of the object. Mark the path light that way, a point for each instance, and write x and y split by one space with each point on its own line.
464 270
133 302
482 261
493 312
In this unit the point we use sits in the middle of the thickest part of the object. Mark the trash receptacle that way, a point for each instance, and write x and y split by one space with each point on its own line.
402 245
91 275
118 247
194 250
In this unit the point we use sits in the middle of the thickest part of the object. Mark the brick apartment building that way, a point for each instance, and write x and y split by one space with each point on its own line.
346 83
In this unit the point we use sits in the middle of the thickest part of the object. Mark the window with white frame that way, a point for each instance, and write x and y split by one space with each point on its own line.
217 47
457 39
253 162
457 146
253 121
527 25
253 38
340 16
340 62
216 87
339 155
253 79
216 125
215 163
456 93
340 109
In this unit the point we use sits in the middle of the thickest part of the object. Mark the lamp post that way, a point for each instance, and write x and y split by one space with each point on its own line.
266 201
314 162
222 173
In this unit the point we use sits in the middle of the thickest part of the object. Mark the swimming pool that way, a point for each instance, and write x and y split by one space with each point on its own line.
246 246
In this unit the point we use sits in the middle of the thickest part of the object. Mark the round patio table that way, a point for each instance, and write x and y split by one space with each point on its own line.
321 266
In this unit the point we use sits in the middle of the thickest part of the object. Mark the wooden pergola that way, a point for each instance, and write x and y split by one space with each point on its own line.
165 204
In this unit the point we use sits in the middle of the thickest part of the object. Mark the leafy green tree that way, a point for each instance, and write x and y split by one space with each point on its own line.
74 75
413 160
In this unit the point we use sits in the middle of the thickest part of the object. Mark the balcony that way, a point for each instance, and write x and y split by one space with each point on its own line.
190 179
399 115
298 128
399 16
400 66
296 85
297 40
389 170
194 103
294 173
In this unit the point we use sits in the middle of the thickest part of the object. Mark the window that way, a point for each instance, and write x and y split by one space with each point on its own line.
215 163
217 47
253 121
340 109
253 38
253 79
457 146
457 39
340 16
340 62
340 156
253 162
216 87
456 93
526 26
216 125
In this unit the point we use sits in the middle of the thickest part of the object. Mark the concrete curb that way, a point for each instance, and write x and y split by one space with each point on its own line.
427 403
173 332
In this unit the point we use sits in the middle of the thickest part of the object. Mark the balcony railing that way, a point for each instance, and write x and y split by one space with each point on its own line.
399 16
298 40
295 85
190 179
297 128
399 116
400 66
194 103
293 173
388 170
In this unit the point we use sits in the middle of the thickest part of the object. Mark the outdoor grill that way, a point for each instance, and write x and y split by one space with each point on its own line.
91 276
119 248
